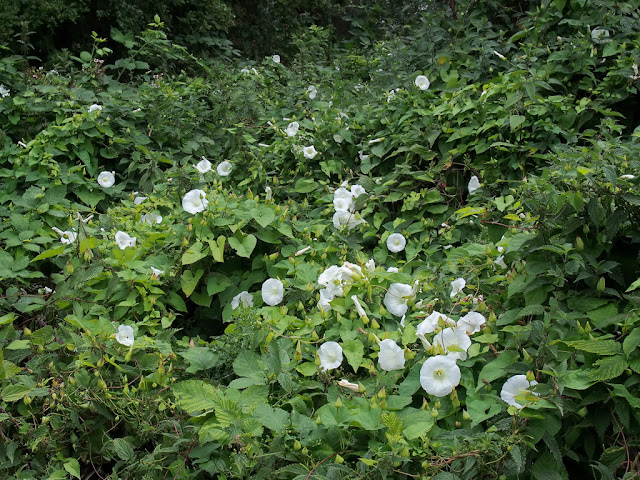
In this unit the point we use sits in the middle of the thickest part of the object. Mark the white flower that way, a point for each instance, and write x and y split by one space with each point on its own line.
151 218
309 152
439 375
245 71
359 308
292 129
195 201
302 251
345 218
600 35
396 242
338 138
431 323
125 335
343 193
312 92
472 322
330 354
157 272
24 145
357 190
4 91
326 295
499 55
245 297
628 177
203 166
272 291
341 203
392 270
517 386
224 169
106 179
276 59
370 265
67 237
474 184
422 82
456 286
124 240
391 356
139 200
95 107
333 278
347 384
397 297
268 193
362 156
456 338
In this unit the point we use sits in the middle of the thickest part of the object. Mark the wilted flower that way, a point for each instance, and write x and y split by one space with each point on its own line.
391 356
106 179
600 35
95 107
628 176
396 242
499 55
312 92
292 129
203 166
456 338
517 386
4 91
195 201
439 375
474 184
224 169
359 309
330 354
245 297
397 297
272 291
347 384
457 285
472 322
276 58
326 296
309 152
124 240
151 218
125 335
422 82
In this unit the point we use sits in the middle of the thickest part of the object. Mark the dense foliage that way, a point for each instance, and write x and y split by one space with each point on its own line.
399 253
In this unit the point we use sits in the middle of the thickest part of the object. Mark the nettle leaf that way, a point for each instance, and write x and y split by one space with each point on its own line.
123 449
199 358
608 368
249 365
274 419
631 342
599 347
195 396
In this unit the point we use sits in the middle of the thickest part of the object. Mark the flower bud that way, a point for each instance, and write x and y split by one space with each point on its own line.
434 413
374 324
338 403
465 415
579 244
100 363
297 445
26 331
405 452
189 227
530 376
27 400
601 285
339 459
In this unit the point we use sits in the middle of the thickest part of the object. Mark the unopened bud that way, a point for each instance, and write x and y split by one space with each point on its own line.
601 285
579 244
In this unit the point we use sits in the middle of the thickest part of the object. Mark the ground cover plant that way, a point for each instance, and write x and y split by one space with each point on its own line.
406 252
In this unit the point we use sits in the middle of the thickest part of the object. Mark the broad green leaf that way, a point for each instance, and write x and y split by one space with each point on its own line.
248 364
123 449
630 343
13 393
176 302
608 368
216 283
211 432
307 369
274 419
599 347
496 368
7 319
417 424
243 245
621 391
633 286
72 466
195 396
52 252
515 121
263 214
217 248
199 358
189 280
193 254
354 351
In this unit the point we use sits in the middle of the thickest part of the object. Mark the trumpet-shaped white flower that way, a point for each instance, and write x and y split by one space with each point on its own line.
392 270
157 272
276 59
195 201
343 194
309 152
391 356
292 129
326 295
312 92
454 341
397 297
439 375
341 203
125 335
350 385
472 322
95 107
600 35
151 218
359 309
431 324
106 179
517 386
370 265
474 184
124 240
330 354
4 91
396 242
422 82
627 176
67 237
203 166
357 190
224 169
344 218
457 285
243 297
272 291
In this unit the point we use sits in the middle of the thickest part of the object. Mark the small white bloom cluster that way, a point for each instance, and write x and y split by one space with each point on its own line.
4 91
344 204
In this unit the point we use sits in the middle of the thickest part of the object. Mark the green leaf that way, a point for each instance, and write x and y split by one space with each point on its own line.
633 286
123 449
274 419
599 347
195 396
496 368
243 245
608 368
216 283
481 407
621 391
628 346
354 351
515 121
13 393
71 465
264 215
19 345
307 369
305 185
85 57
176 302
419 423
7 319
199 358
248 364
189 280
217 248
52 252
193 254
560 4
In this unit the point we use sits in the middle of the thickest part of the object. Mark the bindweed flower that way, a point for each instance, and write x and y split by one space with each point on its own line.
224 169
106 179
431 324
312 92
456 286
156 272
292 129
474 184
347 384
309 152
517 389
499 55
359 309
341 203
276 59
439 375
344 218
124 240
422 82
330 354
392 270
472 322
95 107
139 200
338 138
272 291
357 190
4 91
268 193
67 237
125 335
391 356
370 265
628 176
243 297
600 35
326 296
397 297
151 218
195 201
396 242
500 262
203 166
454 341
